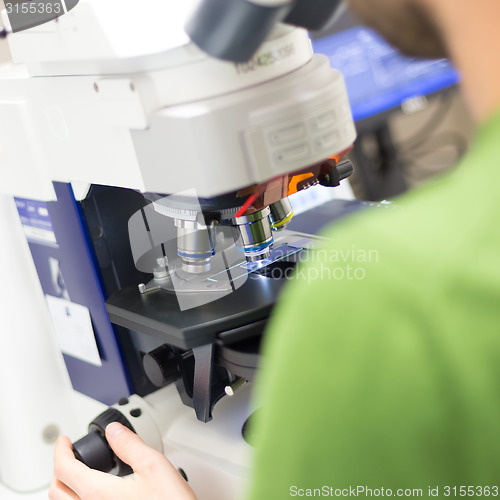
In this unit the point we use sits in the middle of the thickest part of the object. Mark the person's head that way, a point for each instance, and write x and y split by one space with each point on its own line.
463 30
407 24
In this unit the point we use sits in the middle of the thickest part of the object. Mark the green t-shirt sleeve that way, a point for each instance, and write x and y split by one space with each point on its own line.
363 383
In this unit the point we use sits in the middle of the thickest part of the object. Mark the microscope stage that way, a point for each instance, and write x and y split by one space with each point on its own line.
238 314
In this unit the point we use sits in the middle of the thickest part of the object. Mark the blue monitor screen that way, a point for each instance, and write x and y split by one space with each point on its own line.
377 76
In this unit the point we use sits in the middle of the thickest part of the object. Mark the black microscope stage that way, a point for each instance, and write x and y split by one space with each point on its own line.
239 314
224 333
232 317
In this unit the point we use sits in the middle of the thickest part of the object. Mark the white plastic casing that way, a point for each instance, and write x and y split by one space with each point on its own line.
161 117
212 453
34 385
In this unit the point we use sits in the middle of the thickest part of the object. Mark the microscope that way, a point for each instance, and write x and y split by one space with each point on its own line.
151 149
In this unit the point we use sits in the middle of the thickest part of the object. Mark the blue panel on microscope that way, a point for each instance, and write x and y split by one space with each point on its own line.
63 255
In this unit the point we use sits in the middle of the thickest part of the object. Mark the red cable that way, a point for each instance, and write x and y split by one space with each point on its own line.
245 205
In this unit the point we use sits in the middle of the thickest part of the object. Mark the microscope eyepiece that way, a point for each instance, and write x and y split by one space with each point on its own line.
233 30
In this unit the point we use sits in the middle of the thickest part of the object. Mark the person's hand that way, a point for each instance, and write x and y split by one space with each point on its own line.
154 476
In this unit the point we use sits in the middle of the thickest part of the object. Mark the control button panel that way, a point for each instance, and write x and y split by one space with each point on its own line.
323 121
294 137
292 154
288 134
327 141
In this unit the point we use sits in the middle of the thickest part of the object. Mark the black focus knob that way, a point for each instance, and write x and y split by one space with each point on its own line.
161 366
345 169
341 171
93 449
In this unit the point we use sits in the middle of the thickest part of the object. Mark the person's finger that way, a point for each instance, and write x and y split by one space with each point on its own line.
130 448
59 491
70 471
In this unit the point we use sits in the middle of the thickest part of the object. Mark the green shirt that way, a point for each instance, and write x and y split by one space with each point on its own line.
390 377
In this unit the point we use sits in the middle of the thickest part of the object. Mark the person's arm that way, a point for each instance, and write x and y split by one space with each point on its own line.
154 476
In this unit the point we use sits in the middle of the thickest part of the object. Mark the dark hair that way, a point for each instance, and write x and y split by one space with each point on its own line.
406 24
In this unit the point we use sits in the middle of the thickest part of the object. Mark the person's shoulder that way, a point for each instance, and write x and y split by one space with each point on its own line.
408 237
424 231
442 211
404 258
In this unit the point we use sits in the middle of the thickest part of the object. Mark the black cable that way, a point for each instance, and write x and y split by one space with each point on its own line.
4 32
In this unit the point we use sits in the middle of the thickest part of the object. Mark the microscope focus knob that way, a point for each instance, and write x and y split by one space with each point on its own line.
161 366
338 173
93 449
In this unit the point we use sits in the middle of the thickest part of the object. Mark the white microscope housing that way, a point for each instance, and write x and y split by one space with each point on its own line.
114 93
